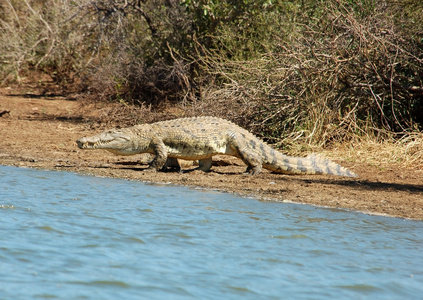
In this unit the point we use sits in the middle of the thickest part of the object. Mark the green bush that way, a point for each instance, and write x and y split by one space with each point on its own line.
343 70
312 71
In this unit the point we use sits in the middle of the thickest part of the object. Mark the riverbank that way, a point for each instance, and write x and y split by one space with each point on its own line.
40 132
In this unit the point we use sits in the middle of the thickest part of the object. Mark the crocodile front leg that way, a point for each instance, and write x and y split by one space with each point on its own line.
160 151
205 164
171 164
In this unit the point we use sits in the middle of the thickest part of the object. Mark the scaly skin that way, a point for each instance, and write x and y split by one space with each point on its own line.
201 138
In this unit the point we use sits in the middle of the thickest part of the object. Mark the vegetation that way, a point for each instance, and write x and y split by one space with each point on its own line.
316 71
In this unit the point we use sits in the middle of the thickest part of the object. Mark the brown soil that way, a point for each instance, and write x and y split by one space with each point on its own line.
40 132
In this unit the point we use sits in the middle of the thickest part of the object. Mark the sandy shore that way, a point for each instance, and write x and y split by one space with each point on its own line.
40 133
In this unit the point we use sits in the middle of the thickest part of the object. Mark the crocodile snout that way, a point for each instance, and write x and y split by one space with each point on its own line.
83 143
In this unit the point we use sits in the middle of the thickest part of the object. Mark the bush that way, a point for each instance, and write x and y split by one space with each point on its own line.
40 35
346 70
313 71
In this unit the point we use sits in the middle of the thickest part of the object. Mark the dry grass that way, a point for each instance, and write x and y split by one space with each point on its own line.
406 152
343 76
111 114
300 74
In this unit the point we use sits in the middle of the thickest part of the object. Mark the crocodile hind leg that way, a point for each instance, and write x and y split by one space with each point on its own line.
253 170
252 159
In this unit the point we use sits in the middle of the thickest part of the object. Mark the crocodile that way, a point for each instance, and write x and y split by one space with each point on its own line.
199 138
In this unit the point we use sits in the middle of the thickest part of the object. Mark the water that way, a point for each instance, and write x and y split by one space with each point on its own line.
70 236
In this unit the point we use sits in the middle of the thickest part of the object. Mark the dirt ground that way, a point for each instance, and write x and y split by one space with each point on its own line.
40 132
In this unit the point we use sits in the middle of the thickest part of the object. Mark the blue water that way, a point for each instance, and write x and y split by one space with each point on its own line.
69 236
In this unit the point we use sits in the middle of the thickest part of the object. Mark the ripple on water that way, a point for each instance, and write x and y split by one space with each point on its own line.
69 236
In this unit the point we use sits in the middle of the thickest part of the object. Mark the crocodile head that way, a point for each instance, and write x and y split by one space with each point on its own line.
117 141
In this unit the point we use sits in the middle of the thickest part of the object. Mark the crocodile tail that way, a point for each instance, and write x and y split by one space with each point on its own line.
312 164
325 166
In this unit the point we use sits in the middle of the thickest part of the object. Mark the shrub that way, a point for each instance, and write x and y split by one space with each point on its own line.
346 70
313 71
